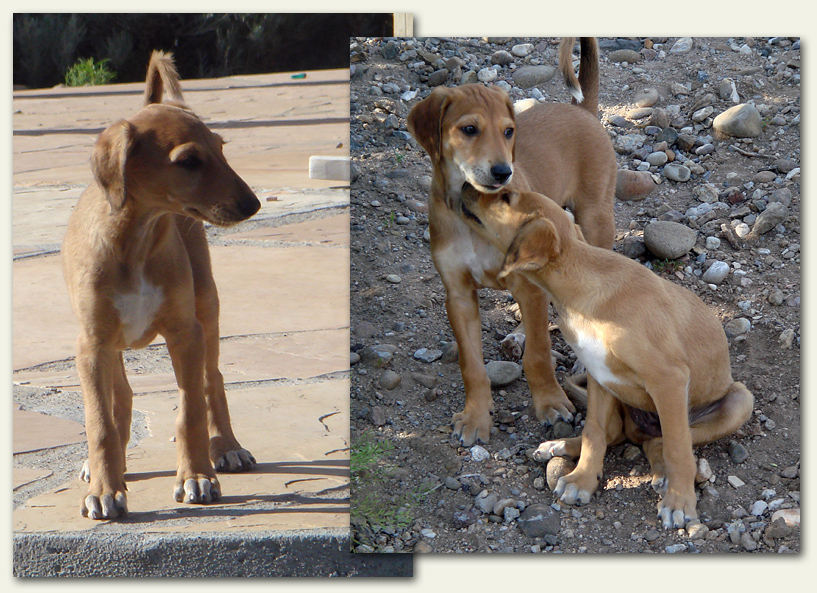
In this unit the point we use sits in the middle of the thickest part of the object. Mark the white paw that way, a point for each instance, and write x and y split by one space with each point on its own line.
236 461
513 346
85 472
548 450
201 491
673 519
569 493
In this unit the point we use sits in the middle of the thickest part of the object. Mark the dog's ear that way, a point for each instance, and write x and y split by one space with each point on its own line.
162 76
536 244
425 122
109 158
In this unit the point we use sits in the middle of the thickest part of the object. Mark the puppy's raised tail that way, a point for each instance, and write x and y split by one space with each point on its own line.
162 76
585 88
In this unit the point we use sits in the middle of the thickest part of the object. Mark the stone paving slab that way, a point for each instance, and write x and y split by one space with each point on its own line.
283 280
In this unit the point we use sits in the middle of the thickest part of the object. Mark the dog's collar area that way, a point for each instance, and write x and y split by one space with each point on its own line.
470 215
465 211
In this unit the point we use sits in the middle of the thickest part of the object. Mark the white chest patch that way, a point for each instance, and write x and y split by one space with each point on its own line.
591 351
138 309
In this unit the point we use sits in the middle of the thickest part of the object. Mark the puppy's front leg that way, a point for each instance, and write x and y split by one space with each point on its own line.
105 469
549 400
678 504
196 480
462 305
578 486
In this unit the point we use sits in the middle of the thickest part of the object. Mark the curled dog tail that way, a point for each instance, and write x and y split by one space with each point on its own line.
585 88
722 417
162 75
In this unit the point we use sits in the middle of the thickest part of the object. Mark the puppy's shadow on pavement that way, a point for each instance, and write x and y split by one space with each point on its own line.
292 499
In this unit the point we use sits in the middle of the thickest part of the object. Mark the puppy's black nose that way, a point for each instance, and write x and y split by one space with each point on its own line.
249 205
501 172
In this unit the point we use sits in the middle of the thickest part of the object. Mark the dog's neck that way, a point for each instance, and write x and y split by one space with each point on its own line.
135 233
576 279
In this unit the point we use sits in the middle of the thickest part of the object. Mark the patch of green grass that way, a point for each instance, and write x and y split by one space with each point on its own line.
368 452
667 266
89 73
374 499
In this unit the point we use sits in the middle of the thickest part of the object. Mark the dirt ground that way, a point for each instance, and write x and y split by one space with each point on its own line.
414 488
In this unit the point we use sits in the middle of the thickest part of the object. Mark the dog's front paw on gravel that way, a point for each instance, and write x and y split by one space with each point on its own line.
230 457
200 489
105 505
512 347
551 410
549 449
676 510
575 488
471 428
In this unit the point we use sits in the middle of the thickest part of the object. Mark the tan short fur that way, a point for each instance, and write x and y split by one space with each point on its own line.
136 262
473 136
647 344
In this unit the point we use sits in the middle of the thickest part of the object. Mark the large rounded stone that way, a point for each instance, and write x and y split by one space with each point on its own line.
741 121
668 240
539 520
556 468
531 76
716 273
633 185
503 372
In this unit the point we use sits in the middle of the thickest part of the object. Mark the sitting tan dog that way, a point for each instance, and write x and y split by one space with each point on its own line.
137 264
657 358
473 135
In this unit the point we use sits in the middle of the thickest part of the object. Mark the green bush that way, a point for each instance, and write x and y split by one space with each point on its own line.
89 73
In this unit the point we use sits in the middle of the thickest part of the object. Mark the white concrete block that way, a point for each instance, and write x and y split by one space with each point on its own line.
329 167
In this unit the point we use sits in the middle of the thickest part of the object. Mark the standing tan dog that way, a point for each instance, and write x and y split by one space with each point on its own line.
473 136
137 264
652 349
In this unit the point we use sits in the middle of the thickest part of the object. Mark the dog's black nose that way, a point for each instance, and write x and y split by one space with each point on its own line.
501 172
249 205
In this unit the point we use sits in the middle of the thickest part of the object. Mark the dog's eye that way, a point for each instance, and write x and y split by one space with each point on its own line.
469 130
509 133
191 162
506 197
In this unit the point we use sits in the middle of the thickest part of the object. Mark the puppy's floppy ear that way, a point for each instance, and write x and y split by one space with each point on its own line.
109 158
425 122
536 244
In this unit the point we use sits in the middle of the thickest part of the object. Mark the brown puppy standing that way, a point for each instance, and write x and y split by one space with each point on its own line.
652 349
137 265
473 136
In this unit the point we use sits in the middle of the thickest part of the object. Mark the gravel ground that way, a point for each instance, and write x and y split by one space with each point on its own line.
414 488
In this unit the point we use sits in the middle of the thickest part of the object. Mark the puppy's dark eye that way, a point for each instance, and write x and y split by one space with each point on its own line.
191 162
469 130
506 197
509 133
